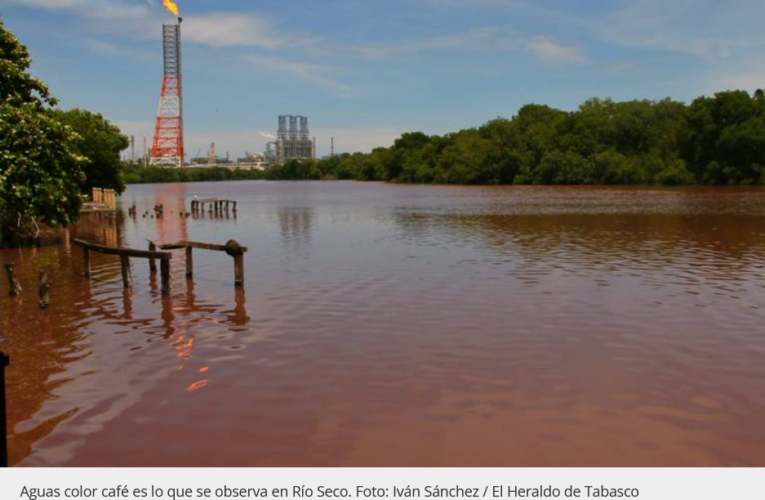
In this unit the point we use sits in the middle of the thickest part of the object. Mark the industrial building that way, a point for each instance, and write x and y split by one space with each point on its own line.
293 140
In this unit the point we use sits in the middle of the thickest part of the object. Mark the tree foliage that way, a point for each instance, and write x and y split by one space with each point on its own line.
716 140
136 174
40 168
101 143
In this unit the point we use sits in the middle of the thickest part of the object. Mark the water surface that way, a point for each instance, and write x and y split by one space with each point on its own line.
402 326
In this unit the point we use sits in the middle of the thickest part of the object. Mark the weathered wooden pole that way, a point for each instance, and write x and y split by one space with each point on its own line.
86 271
239 270
235 250
189 262
164 265
44 290
152 260
127 277
14 288
4 362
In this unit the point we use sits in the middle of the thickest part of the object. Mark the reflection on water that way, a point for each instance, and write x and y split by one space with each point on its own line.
402 325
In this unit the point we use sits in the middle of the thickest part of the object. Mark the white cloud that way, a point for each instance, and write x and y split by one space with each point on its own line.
704 28
50 4
486 39
313 73
239 30
91 9
552 52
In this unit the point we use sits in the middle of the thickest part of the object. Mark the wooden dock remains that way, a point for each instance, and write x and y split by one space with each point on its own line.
158 252
125 254
4 362
231 248
102 200
214 205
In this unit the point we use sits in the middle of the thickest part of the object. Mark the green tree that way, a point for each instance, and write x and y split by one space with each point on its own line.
40 168
101 143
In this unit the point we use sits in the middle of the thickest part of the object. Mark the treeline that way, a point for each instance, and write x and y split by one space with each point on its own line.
137 174
716 140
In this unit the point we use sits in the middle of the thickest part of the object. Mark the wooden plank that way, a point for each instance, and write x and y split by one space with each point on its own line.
198 245
128 252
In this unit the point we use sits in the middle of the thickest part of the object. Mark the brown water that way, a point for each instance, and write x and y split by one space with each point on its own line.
400 326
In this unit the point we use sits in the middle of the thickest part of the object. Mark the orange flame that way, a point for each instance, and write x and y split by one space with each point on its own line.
171 7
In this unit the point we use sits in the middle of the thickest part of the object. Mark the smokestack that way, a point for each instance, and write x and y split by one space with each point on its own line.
168 139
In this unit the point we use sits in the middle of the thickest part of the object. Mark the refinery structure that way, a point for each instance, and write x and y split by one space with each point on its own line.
292 142
168 149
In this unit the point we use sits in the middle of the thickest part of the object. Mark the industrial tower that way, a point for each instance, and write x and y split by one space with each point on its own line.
294 143
168 133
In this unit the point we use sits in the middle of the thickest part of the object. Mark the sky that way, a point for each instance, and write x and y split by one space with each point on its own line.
365 71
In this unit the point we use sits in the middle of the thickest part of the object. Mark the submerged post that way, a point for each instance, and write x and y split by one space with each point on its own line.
86 263
127 277
189 262
235 250
4 361
14 288
164 265
239 270
44 290
152 260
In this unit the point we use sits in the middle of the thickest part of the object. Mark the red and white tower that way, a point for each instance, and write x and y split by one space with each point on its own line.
167 149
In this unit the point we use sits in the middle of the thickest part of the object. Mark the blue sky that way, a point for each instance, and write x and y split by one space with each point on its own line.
364 71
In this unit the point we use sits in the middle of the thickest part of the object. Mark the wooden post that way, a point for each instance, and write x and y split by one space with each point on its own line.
164 265
14 288
189 262
86 263
44 290
4 361
127 277
152 261
239 270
